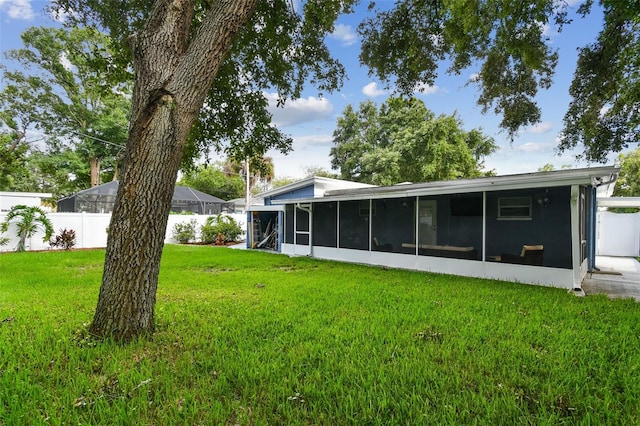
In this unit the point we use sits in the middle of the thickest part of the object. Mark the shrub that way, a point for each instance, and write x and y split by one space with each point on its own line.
66 239
184 232
220 230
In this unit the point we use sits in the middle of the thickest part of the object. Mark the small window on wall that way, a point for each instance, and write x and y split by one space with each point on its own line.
514 208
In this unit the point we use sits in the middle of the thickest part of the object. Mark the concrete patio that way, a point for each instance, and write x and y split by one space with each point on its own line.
619 277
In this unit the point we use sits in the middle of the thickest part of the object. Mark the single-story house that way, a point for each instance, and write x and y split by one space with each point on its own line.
101 199
29 199
536 228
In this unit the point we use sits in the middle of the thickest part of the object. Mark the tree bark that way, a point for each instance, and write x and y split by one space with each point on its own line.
94 164
174 70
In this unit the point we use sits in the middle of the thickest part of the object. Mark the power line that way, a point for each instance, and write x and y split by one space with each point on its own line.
98 139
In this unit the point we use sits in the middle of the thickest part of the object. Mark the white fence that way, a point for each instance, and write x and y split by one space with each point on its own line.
91 229
618 234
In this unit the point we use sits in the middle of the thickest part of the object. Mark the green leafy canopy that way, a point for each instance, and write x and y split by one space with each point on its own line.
280 49
404 141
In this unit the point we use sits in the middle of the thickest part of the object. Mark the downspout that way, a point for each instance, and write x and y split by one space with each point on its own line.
308 210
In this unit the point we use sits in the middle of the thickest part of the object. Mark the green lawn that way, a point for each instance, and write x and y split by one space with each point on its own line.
256 338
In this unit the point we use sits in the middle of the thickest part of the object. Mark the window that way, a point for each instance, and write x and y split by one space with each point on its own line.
514 208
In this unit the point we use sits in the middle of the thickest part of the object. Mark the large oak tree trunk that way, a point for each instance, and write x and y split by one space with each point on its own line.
174 71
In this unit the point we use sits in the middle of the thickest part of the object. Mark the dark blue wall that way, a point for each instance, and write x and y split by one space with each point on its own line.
550 226
304 192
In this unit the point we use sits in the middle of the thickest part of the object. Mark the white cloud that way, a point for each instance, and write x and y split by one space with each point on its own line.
372 90
547 30
540 128
298 111
344 34
426 89
475 77
310 141
17 9
536 147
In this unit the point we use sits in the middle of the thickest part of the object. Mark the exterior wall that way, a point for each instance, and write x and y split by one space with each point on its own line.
91 229
305 192
29 199
550 226
549 277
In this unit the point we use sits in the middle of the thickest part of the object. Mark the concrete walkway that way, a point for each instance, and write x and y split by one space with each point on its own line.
619 277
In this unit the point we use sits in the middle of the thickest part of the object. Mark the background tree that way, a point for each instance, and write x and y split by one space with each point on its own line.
13 160
282 181
212 180
404 141
628 183
405 45
19 113
29 220
604 115
318 171
72 94
550 167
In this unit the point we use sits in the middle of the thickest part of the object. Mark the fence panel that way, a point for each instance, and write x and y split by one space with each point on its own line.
91 229
618 234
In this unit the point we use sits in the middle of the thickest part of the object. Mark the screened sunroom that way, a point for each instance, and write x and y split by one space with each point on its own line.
536 228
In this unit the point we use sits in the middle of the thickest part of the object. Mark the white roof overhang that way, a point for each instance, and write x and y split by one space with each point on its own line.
589 176
633 202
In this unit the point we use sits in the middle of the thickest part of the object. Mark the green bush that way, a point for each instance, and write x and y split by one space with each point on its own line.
220 229
184 232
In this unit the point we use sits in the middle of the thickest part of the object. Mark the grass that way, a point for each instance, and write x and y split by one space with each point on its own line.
256 338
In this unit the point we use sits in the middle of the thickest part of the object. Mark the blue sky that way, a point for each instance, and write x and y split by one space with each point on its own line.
311 120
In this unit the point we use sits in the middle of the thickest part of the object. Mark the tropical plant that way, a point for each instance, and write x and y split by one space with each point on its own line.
65 240
29 220
3 229
220 229
261 171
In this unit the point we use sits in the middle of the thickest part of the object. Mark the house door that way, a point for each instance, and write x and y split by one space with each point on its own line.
427 222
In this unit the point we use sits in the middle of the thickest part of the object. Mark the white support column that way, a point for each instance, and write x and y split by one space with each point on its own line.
575 236
338 224
370 220
417 233
484 225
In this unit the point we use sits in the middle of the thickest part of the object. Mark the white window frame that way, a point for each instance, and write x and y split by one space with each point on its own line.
522 202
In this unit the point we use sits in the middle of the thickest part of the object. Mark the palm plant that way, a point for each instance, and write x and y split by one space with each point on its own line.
28 220
261 169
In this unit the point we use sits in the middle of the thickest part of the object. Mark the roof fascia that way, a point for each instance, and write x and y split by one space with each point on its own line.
497 183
